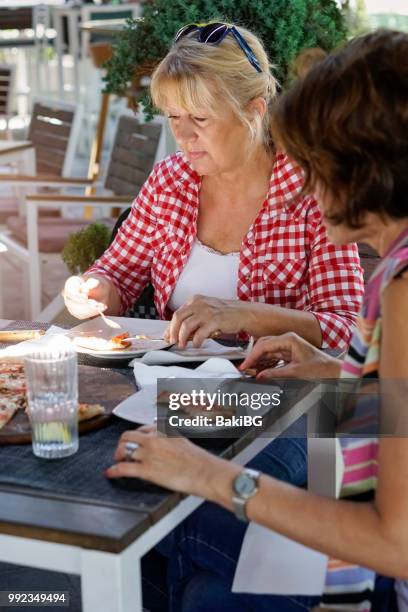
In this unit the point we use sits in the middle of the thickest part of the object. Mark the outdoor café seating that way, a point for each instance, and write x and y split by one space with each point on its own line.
37 239
156 233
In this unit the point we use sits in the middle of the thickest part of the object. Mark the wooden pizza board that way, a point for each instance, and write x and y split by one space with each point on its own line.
96 386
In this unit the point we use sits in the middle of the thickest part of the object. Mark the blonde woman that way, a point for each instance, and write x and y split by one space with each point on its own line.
224 218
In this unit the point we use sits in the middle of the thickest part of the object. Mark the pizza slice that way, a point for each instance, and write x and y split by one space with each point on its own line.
89 411
12 377
9 405
11 367
86 412
120 340
95 343
13 393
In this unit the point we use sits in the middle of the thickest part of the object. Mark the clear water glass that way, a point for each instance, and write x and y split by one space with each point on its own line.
52 391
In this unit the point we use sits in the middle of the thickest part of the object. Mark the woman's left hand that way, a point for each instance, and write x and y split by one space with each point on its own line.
174 463
204 317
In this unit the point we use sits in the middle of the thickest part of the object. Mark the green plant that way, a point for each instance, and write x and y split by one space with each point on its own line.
285 26
85 246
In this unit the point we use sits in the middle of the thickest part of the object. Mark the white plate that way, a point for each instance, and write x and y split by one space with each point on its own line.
210 348
135 327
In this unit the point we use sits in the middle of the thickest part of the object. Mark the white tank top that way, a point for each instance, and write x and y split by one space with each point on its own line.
206 272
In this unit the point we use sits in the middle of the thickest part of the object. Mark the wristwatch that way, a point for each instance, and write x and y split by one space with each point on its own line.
244 487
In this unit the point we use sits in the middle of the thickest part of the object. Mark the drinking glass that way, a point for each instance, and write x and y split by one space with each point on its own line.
52 391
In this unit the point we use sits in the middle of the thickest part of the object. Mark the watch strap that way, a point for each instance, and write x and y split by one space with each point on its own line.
239 502
240 508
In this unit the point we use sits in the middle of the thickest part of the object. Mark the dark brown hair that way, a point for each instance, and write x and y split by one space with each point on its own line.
346 124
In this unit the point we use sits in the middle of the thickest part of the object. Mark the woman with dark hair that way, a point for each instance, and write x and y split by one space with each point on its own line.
346 124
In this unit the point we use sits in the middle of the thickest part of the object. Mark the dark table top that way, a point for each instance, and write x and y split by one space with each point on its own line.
91 513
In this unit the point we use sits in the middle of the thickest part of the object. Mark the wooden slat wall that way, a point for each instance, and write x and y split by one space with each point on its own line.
133 155
5 84
49 131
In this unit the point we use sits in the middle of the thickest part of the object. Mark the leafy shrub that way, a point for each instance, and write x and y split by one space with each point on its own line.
285 26
85 246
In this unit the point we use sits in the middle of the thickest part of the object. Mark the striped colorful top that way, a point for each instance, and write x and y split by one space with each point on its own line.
350 587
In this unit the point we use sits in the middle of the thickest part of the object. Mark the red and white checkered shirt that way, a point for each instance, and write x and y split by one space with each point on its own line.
285 258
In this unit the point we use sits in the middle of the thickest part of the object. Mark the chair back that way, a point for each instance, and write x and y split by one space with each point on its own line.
136 148
15 17
54 130
7 77
109 13
134 152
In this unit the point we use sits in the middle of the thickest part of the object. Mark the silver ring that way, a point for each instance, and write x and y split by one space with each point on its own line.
130 449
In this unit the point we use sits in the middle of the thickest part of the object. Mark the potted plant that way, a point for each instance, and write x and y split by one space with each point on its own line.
85 246
285 26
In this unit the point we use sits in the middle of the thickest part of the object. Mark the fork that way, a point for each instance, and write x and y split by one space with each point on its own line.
215 334
107 321
144 337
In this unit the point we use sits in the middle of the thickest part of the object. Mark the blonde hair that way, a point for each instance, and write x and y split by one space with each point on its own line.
205 75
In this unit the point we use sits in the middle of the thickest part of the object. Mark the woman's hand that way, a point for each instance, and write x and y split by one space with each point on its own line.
302 359
174 463
201 317
86 296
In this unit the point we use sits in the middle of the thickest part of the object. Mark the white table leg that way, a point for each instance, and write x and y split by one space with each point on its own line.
34 262
59 42
73 33
111 582
25 165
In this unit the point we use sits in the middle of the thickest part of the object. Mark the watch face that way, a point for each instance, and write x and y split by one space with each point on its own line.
245 485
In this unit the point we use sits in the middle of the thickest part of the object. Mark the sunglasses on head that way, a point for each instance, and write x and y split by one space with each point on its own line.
214 33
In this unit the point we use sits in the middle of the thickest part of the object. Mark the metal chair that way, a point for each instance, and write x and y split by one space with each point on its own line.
53 132
27 28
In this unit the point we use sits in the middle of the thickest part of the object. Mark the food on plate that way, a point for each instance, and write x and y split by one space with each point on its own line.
89 411
17 335
8 407
12 391
12 377
95 343
13 395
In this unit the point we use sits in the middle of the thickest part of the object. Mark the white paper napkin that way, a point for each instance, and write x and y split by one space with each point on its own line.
271 564
216 367
141 406
29 346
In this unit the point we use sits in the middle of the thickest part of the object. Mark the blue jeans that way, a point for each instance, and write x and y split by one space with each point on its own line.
203 551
